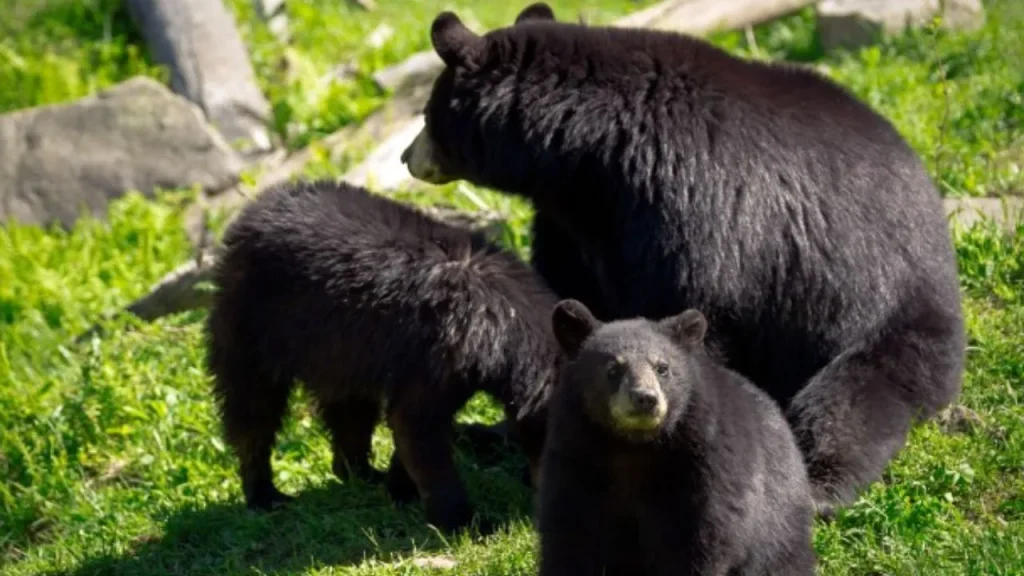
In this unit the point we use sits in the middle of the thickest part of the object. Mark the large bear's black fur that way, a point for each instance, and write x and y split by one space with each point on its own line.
374 307
669 174
711 482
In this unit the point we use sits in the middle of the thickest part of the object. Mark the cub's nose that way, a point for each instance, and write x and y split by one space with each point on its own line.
406 154
643 400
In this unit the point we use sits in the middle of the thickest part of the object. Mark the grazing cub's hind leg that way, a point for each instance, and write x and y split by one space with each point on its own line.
252 408
422 429
351 421
401 488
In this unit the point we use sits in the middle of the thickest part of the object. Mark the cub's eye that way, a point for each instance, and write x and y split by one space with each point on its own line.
614 370
661 368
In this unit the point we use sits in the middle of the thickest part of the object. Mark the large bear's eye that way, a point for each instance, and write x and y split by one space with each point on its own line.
614 370
661 368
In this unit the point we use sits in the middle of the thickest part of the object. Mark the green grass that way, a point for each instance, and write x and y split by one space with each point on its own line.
110 458
957 98
329 33
55 51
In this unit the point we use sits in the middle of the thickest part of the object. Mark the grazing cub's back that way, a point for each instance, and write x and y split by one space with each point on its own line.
312 252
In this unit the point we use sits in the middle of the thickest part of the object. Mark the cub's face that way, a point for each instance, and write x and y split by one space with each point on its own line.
452 145
633 375
624 385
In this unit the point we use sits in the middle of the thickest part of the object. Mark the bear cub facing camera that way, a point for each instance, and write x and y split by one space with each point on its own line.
376 308
658 460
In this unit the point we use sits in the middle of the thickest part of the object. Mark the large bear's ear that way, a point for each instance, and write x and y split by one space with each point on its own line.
687 327
537 11
572 322
454 43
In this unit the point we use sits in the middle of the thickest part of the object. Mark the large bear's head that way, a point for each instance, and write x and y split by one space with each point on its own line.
470 131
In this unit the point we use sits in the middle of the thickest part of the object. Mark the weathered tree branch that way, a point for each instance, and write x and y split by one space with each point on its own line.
188 287
701 17
696 17
368 5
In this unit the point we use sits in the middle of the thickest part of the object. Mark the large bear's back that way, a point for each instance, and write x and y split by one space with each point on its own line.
763 194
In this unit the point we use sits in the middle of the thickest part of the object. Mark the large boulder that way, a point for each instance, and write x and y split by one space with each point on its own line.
855 23
209 64
57 160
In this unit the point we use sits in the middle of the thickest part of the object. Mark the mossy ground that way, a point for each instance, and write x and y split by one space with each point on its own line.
110 456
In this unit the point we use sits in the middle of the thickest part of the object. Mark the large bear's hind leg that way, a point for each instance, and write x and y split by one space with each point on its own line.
855 414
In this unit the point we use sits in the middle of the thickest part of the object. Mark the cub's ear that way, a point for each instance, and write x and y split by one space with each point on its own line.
687 327
539 11
572 322
454 43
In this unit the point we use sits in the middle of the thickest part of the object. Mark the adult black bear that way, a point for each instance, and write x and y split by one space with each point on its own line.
660 461
372 304
668 174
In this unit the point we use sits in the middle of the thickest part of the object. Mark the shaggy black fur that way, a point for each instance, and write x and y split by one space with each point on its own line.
373 306
718 488
667 174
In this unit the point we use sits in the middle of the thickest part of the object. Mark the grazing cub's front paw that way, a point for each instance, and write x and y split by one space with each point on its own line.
267 498
401 488
449 510
365 473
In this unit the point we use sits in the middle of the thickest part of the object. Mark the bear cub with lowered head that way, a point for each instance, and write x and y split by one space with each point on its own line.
660 461
374 307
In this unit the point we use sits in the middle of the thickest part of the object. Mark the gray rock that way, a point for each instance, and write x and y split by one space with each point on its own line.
959 419
1007 212
855 23
419 69
198 42
380 35
394 124
273 13
383 168
435 562
57 160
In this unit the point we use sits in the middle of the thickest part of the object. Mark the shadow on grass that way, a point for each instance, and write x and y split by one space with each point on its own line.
331 525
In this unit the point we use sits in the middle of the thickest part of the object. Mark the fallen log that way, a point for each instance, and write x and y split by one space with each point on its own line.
180 290
700 17
697 17
189 286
